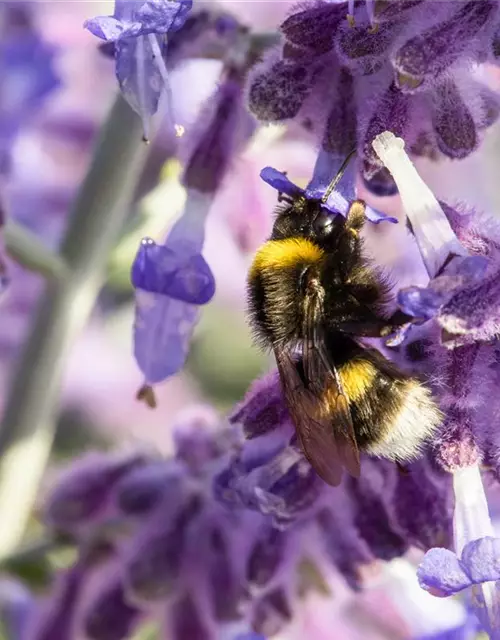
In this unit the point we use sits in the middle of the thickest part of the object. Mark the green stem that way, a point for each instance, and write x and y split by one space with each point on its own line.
26 248
27 430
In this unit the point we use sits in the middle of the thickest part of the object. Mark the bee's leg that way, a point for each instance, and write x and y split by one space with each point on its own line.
355 218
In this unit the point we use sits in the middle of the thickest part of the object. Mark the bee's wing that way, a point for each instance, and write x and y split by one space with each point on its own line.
315 432
326 437
322 376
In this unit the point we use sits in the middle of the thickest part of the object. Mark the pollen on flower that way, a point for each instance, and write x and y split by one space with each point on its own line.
179 130
433 232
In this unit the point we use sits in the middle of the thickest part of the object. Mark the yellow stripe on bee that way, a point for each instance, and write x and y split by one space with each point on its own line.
357 376
276 254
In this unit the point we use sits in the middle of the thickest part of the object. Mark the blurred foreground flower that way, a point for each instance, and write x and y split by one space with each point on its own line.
167 549
27 72
173 280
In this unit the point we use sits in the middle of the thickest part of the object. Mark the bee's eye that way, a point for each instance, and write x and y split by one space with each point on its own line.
323 224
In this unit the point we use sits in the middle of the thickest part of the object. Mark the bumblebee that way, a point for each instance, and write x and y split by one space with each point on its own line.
313 295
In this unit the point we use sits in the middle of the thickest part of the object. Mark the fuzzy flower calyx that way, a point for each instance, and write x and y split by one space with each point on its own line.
402 66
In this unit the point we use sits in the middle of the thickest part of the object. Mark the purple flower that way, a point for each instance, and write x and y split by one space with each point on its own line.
171 282
462 294
83 491
459 277
423 58
158 269
222 128
137 29
55 622
110 616
133 19
349 71
442 573
171 538
335 204
463 372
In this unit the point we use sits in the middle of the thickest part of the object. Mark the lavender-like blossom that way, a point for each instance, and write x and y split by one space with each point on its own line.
336 203
178 539
461 442
350 71
211 542
172 280
138 30
170 545
463 299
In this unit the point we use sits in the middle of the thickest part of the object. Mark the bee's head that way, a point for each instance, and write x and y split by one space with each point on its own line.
310 219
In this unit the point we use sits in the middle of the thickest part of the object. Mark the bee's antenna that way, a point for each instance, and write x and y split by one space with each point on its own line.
338 177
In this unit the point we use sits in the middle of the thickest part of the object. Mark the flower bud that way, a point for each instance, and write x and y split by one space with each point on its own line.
266 557
222 128
84 490
314 28
110 616
153 567
423 58
279 92
454 126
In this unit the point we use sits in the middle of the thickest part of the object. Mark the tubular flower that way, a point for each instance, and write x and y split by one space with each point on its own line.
352 70
172 280
139 31
462 375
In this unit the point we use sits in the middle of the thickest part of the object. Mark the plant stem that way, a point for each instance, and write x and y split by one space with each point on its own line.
28 250
27 430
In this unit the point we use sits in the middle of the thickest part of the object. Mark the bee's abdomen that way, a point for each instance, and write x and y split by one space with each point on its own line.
409 426
393 414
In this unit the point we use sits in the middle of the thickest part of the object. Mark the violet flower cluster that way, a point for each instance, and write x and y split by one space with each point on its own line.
402 66
152 531
225 538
